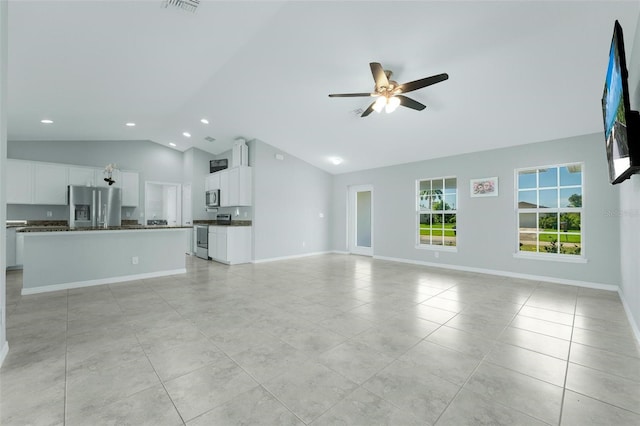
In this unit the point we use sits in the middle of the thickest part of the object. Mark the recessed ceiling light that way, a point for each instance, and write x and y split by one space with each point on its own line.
186 134
46 121
130 124
172 144
204 121
336 160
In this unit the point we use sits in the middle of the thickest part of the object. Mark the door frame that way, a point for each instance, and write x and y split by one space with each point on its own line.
352 237
177 186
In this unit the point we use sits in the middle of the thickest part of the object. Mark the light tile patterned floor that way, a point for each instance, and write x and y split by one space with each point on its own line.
324 340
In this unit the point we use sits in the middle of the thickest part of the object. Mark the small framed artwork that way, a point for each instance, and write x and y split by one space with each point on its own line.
485 187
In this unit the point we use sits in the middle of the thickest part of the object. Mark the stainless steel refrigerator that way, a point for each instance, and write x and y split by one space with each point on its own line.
94 207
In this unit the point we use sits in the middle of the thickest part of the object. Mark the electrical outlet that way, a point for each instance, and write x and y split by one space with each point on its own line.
128 214
304 244
134 260
49 213
436 254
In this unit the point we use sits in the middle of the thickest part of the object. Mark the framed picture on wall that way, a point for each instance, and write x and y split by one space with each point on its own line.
484 187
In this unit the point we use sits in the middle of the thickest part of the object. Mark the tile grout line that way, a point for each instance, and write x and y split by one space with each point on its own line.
495 343
566 371
149 360
66 361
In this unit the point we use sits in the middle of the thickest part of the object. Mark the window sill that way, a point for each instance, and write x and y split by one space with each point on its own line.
551 257
451 249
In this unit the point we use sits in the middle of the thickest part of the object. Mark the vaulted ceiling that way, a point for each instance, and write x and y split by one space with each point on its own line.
519 72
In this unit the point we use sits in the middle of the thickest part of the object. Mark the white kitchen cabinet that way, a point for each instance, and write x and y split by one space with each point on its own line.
19 182
221 244
11 247
83 176
50 184
225 193
194 241
19 247
245 188
212 182
230 244
130 184
235 186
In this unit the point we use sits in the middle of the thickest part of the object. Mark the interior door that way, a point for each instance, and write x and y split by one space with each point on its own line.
360 220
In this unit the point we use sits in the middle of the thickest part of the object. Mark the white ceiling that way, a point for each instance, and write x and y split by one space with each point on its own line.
519 72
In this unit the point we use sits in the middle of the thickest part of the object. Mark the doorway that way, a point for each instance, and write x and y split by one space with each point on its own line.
360 220
162 203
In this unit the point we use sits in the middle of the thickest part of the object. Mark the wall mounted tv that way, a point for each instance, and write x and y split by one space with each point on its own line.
621 125
217 165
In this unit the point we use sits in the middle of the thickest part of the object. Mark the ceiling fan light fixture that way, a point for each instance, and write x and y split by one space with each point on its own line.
392 104
379 104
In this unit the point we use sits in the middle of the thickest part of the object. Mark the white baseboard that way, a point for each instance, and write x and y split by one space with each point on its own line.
632 320
89 283
554 280
339 252
295 256
4 352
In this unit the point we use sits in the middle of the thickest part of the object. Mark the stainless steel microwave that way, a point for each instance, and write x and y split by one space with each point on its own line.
212 198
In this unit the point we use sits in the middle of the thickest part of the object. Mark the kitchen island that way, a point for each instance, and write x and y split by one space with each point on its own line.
59 258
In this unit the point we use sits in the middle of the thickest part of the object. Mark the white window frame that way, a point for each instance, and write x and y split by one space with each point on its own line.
416 196
558 257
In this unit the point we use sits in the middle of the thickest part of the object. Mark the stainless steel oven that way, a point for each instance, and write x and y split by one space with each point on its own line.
202 241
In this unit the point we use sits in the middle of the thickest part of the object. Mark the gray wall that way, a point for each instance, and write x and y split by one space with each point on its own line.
289 197
487 226
629 211
3 156
196 168
154 162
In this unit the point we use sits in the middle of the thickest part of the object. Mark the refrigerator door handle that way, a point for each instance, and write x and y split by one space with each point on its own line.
94 222
99 208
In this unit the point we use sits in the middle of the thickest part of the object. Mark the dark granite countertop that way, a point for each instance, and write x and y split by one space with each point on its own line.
215 223
111 228
41 223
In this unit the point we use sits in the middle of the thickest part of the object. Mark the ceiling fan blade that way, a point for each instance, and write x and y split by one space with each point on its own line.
423 82
348 95
369 110
379 75
410 103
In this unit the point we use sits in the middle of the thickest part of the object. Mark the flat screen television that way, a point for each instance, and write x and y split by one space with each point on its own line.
620 123
217 165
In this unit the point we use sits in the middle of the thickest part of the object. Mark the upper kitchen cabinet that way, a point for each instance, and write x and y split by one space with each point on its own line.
101 176
19 182
85 176
212 182
234 184
237 187
35 182
130 184
50 183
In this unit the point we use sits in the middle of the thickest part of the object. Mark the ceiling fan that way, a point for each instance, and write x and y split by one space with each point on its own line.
389 92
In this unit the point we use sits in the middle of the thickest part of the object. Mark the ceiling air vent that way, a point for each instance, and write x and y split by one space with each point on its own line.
209 139
188 5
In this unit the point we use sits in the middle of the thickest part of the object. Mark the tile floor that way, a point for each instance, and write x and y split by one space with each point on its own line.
324 340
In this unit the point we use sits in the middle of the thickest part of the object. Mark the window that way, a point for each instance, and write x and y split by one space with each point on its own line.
437 202
550 210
